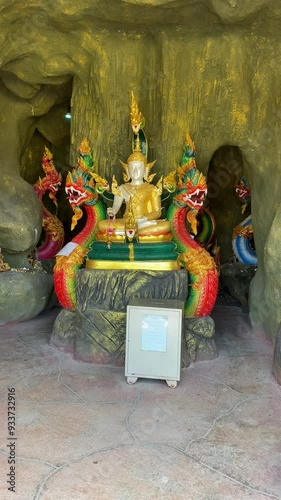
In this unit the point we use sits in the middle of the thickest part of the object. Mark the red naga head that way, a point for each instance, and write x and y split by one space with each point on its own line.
244 193
52 180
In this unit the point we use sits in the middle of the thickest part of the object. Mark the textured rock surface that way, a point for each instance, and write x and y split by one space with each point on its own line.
211 67
96 331
277 357
23 295
236 278
200 338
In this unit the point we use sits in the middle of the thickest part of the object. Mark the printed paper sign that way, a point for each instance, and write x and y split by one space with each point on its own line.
154 330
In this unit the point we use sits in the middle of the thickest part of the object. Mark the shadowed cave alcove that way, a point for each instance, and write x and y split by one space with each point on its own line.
52 130
225 170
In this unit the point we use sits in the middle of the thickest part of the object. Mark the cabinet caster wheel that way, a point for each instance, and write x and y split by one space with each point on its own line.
172 383
131 380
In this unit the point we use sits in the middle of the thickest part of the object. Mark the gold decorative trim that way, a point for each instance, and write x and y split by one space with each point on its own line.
167 265
131 252
155 238
113 238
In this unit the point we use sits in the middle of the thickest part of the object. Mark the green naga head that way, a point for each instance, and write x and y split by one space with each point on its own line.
83 186
188 184
192 186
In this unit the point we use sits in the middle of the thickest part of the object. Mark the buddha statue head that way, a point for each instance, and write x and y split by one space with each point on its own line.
137 169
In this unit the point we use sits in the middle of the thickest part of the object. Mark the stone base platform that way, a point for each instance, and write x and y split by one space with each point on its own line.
96 331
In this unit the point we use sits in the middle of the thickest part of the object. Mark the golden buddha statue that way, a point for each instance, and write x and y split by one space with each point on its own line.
143 202
143 199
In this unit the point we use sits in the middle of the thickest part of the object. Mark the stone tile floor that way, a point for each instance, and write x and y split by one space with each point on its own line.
84 433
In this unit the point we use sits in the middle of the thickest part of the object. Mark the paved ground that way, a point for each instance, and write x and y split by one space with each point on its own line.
84 433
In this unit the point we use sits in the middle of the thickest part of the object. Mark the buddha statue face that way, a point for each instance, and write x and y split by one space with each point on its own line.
136 169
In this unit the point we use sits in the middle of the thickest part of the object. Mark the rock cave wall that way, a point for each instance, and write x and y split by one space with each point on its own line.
211 68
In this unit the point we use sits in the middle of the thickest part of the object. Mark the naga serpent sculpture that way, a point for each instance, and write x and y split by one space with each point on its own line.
189 189
242 237
52 226
83 188
207 228
206 224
